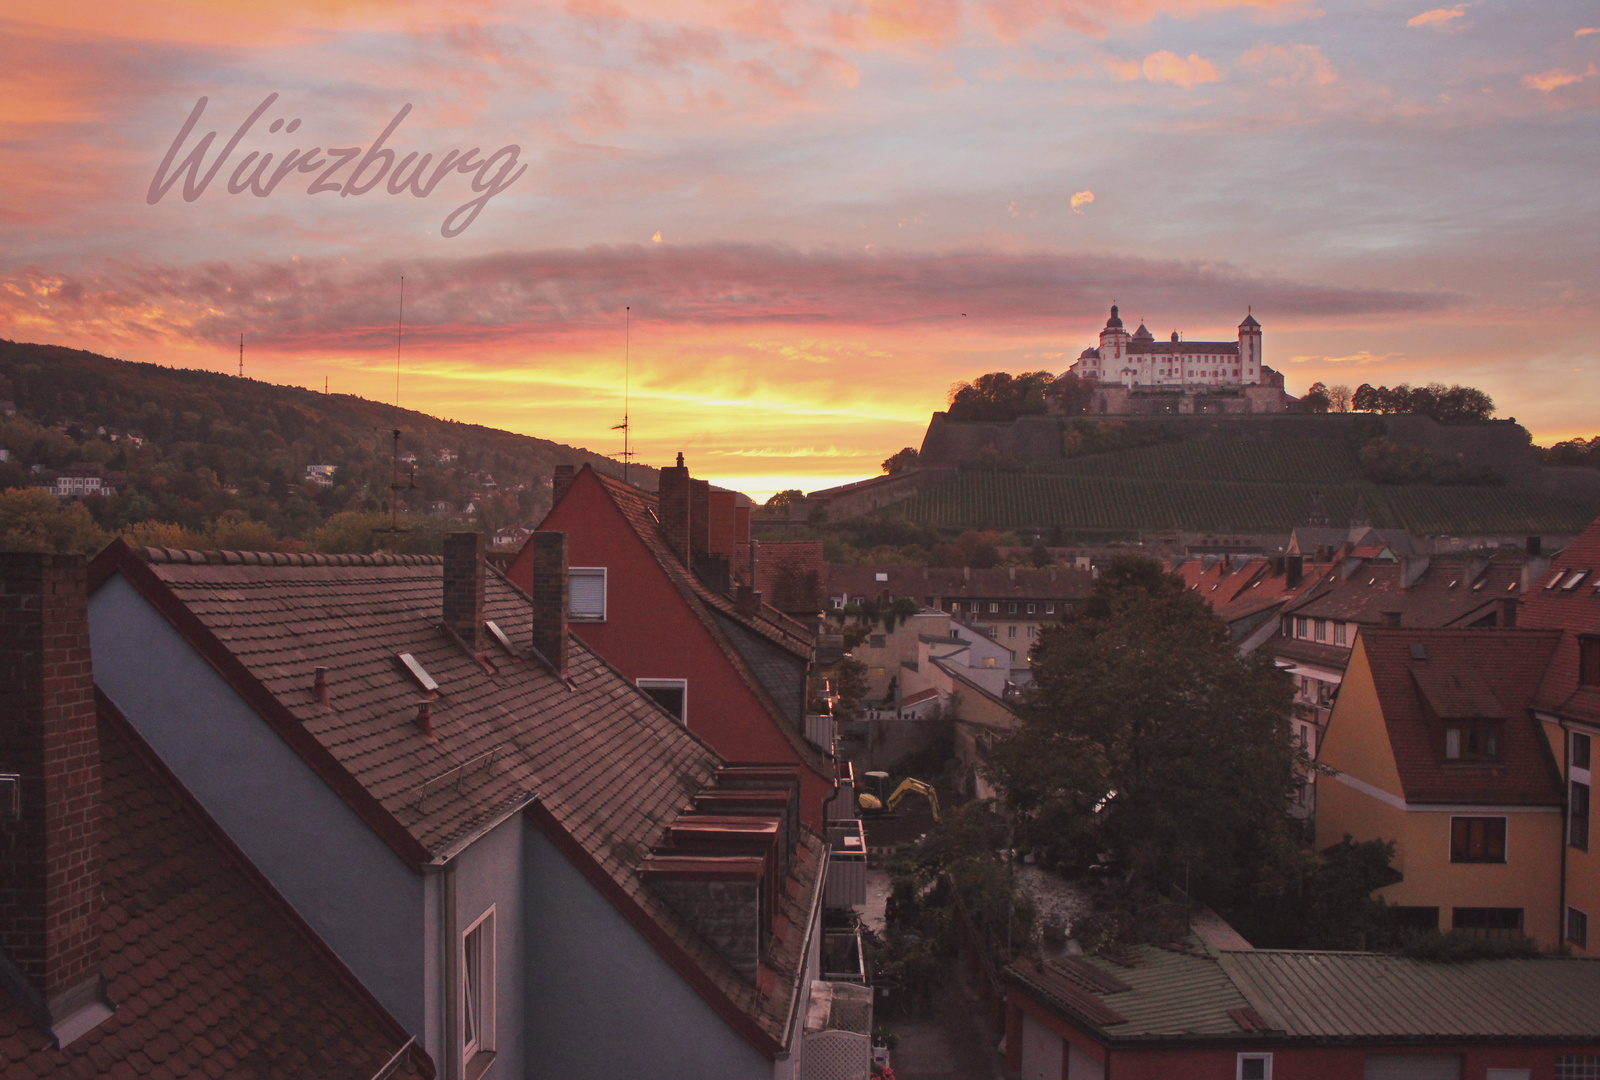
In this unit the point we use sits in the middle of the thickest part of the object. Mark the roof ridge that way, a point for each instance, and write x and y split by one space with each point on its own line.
230 557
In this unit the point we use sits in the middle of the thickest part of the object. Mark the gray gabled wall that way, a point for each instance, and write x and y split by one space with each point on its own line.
601 1002
346 883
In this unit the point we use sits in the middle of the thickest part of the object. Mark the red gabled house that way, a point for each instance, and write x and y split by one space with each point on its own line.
650 594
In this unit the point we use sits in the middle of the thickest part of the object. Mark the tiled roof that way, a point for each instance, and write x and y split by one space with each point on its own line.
1574 611
639 508
210 972
923 582
1281 995
1453 590
609 770
1505 663
1137 346
1310 652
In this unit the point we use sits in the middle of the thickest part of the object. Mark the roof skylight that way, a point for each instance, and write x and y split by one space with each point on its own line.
1574 581
500 636
418 672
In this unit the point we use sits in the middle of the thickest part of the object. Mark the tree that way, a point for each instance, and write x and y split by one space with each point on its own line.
1000 396
1317 399
782 499
1446 404
901 461
850 686
32 519
1073 394
1147 734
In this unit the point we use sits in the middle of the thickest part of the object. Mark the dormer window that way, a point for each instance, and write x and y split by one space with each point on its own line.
1478 740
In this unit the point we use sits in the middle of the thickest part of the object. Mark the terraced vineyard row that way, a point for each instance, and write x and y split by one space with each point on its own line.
1282 461
1120 505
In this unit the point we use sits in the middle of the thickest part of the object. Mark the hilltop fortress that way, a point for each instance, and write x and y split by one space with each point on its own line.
1134 373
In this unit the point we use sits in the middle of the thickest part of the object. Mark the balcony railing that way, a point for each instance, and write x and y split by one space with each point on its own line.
846 884
838 1037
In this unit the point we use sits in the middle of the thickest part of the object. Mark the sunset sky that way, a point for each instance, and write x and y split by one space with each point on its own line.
820 214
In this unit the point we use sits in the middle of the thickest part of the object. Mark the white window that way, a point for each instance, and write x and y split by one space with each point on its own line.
1011 631
1049 609
671 694
1341 633
586 593
1322 629
477 988
994 608
1302 628
1032 608
1254 1067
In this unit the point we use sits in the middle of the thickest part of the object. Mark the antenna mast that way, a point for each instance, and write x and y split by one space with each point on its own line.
627 361
399 332
241 354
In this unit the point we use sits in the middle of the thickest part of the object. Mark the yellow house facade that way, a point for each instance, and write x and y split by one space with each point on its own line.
1433 744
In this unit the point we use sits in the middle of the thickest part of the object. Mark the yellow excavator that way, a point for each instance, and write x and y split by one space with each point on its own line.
872 804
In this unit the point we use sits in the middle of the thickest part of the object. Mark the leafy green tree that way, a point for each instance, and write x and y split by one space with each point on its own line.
1147 735
850 686
1317 399
782 499
32 519
1000 396
901 461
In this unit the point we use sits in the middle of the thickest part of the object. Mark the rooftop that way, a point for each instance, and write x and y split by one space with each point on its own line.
210 971
1155 993
589 756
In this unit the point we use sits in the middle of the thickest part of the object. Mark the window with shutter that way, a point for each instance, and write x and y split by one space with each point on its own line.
586 593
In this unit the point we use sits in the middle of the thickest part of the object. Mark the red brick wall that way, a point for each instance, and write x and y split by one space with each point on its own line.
49 860
651 633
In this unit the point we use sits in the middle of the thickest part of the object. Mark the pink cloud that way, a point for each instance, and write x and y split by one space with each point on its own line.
1169 67
1437 16
1290 65
1546 81
551 295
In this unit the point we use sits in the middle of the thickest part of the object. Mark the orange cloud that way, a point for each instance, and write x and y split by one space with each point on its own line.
1553 80
1290 65
1437 16
1169 67
1080 200
1586 31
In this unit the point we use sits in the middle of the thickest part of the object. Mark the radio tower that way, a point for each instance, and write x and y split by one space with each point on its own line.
627 358
241 354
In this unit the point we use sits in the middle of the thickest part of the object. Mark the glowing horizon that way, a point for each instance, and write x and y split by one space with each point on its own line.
818 217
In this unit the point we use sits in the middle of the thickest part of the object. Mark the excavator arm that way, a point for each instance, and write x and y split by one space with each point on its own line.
912 784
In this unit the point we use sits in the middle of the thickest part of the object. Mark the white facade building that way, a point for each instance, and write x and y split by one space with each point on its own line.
1139 360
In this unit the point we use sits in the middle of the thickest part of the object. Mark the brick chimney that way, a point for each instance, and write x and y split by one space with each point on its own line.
50 898
1294 569
699 517
747 600
1390 618
1508 611
1535 545
561 482
550 598
463 587
674 502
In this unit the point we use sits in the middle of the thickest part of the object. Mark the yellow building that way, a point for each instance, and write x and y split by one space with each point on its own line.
1433 743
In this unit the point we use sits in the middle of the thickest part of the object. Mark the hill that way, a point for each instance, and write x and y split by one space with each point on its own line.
191 448
1111 506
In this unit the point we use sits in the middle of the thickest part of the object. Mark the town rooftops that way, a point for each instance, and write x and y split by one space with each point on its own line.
1183 994
1444 590
209 970
1427 677
598 767
1567 598
925 584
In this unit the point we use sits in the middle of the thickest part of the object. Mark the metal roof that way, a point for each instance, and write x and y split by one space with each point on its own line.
1168 993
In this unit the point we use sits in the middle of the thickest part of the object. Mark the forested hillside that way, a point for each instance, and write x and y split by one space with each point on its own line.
191 452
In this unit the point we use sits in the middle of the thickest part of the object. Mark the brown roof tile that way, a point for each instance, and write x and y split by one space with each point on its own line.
208 969
1573 611
609 770
1504 663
